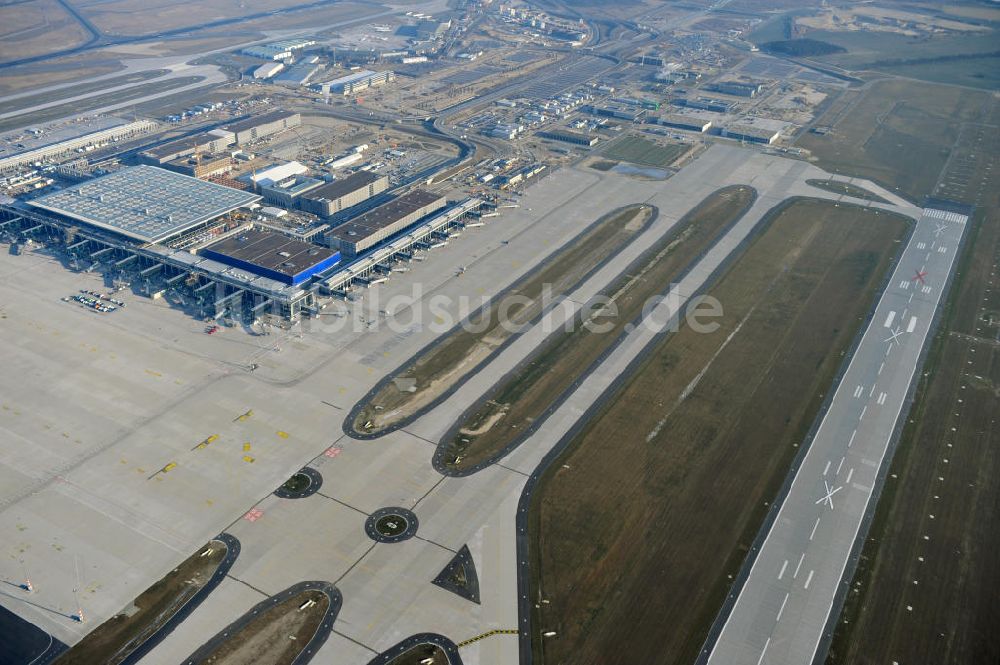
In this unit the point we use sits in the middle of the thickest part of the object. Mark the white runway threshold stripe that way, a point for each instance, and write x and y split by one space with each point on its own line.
854 432
946 216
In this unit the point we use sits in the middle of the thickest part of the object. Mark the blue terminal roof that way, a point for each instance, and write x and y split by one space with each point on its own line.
272 255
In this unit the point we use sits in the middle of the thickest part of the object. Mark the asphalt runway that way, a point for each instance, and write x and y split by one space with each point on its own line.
780 614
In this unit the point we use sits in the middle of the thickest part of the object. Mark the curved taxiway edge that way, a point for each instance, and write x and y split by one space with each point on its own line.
348 424
315 482
310 648
24 643
232 552
450 648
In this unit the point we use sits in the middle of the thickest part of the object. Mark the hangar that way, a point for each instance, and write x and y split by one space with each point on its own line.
272 255
688 122
751 134
144 203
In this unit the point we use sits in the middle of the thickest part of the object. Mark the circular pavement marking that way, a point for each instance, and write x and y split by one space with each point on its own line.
305 482
391 525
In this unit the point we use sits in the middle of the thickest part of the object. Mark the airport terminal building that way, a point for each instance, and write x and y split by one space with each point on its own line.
273 255
378 224
167 233
144 203
204 246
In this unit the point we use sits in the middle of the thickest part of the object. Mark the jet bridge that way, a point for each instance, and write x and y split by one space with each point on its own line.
416 238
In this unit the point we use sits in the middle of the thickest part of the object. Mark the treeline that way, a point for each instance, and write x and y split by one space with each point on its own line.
802 47
895 62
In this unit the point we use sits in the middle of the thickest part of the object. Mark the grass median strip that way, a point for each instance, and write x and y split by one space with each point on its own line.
277 636
438 368
502 417
121 635
638 528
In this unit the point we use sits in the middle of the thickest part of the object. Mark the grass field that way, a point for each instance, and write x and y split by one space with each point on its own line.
638 150
57 71
638 529
37 27
439 367
898 133
112 641
91 103
125 17
523 397
975 54
847 189
935 520
978 72
73 91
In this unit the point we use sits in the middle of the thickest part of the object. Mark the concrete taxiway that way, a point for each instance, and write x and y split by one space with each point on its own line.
158 386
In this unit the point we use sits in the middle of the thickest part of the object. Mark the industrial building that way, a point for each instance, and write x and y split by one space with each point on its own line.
378 224
266 53
144 203
750 134
59 148
431 29
272 255
648 104
356 82
568 137
617 111
286 192
268 70
274 174
345 161
278 50
506 131
690 123
213 141
201 165
735 88
333 197
263 125
520 175
299 74
706 104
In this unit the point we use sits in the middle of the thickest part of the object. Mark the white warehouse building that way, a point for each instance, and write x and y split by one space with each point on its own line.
126 130
356 82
